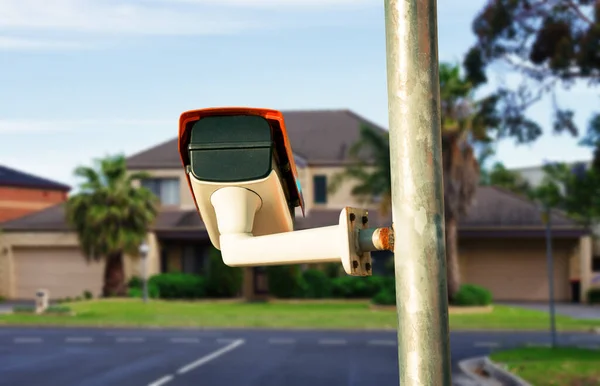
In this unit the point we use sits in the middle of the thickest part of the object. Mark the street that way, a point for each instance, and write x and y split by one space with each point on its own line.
77 356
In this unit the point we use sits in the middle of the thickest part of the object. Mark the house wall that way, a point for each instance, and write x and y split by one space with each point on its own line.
186 201
10 241
18 202
341 198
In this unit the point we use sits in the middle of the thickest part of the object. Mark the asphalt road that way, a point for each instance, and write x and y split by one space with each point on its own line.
94 357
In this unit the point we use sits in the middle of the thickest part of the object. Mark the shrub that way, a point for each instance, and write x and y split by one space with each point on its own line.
68 299
23 309
593 296
357 287
58 310
285 281
317 284
87 295
332 270
2 299
472 295
135 282
385 297
178 285
222 280
153 292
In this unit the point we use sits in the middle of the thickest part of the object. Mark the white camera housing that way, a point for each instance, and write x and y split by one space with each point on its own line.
241 173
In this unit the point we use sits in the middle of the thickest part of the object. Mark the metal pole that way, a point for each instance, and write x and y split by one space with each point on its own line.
550 264
417 192
144 273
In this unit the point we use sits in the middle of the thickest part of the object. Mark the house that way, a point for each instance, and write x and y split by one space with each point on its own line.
502 245
534 175
23 193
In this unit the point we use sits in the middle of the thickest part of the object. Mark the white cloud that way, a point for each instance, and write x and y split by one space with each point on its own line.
16 44
279 4
33 126
104 17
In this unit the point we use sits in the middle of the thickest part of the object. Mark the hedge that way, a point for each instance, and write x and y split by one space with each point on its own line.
472 295
179 285
222 281
593 296
286 281
316 284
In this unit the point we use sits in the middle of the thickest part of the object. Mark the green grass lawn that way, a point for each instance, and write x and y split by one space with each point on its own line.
553 367
341 315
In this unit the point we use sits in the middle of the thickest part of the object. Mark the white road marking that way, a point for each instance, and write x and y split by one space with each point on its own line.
185 340
210 357
130 339
332 341
162 381
79 339
382 343
28 340
486 344
282 341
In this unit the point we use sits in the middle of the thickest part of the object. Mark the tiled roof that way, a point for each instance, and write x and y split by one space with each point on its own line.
317 137
494 208
15 178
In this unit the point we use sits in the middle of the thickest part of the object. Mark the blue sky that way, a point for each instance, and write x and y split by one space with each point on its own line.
80 79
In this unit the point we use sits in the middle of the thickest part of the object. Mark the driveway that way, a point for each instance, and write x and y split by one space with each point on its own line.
578 311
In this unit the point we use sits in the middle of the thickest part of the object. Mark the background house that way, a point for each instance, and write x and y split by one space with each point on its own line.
534 175
502 244
23 193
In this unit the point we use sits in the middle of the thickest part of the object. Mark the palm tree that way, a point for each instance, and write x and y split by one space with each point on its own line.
463 124
111 217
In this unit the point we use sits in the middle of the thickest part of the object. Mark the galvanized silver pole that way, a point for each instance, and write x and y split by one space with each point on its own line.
550 264
417 192
145 273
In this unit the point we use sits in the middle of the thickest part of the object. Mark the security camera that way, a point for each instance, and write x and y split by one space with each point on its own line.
241 173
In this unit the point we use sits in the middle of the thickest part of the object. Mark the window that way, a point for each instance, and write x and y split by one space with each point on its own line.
194 259
320 189
166 189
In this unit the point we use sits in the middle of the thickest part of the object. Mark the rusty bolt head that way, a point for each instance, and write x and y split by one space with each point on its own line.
352 217
365 220
355 264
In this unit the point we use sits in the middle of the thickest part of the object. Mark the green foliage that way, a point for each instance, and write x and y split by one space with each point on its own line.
593 296
355 287
472 295
548 43
135 282
286 281
23 309
111 216
385 297
502 177
178 286
138 292
109 213
575 190
387 293
58 310
317 284
87 295
2 299
333 270
222 280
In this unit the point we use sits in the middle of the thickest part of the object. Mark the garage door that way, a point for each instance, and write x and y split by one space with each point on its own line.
64 272
516 270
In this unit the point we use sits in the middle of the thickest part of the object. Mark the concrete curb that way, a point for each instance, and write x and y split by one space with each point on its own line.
484 372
